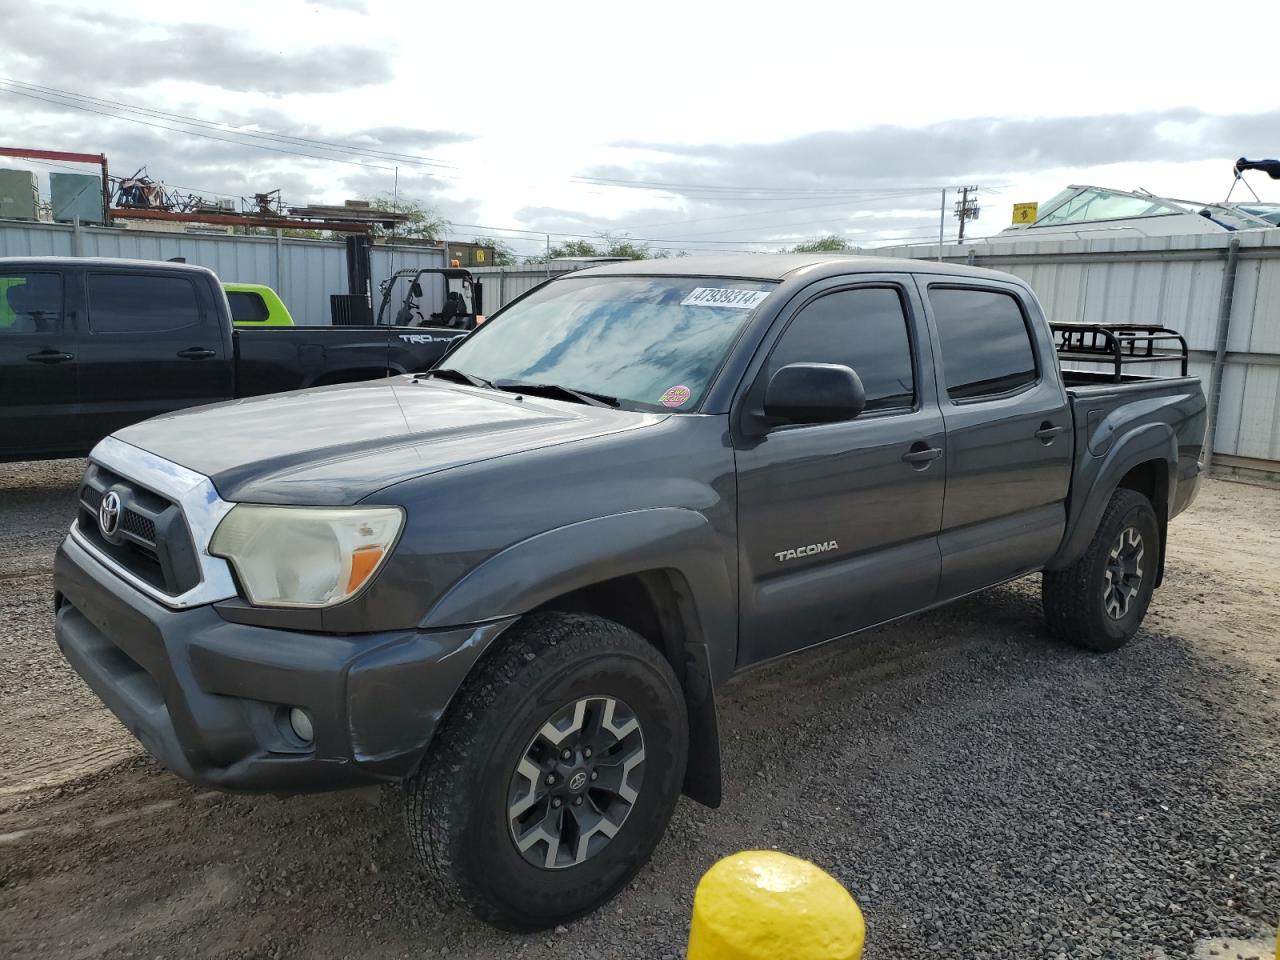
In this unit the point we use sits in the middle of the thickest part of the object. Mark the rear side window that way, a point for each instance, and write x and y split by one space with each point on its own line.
864 329
986 346
247 307
30 303
131 303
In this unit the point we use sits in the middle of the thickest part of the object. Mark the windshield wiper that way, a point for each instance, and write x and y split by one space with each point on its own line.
457 376
557 390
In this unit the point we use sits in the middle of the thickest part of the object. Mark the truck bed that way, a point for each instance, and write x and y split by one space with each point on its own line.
272 359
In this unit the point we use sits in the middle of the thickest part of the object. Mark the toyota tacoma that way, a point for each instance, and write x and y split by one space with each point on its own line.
514 584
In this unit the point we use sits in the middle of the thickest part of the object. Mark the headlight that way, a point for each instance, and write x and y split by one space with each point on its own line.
305 556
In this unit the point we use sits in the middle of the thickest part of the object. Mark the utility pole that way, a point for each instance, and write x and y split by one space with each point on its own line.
966 208
942 220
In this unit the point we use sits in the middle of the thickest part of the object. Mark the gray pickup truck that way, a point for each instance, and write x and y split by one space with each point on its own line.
514 584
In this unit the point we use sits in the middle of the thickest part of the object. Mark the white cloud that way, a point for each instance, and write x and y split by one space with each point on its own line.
521 98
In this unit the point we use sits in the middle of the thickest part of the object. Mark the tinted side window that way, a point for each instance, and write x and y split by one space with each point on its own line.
30 303
865 329
986 346
247 307
129 303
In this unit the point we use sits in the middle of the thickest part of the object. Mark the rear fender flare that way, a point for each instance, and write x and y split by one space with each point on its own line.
1152 441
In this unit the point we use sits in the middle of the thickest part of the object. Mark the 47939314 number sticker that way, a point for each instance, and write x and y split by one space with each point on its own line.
724 297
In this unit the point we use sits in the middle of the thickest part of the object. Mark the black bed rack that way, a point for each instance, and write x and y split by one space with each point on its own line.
1119 344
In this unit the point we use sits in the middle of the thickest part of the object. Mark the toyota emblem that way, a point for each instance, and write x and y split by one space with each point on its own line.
109 514
578 782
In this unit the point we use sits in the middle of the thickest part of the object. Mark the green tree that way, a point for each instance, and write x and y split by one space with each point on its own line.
575 248
611 245
423 222
831 243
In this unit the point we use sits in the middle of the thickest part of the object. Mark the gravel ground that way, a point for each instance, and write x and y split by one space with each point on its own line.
981 790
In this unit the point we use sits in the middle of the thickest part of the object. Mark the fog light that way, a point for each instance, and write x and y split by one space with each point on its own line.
300 721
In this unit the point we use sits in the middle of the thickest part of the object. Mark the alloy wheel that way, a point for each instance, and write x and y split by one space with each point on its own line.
1123 576
576 782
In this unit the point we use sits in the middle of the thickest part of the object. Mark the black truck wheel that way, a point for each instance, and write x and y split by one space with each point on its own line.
1099 601
554 773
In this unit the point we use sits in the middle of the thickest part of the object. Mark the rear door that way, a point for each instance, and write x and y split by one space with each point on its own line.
838 522
38 366
150 343
1008 436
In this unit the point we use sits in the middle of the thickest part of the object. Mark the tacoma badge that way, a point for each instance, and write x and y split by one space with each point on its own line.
808 551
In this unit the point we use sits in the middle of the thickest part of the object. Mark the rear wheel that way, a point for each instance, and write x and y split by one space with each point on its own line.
554 774
1099 601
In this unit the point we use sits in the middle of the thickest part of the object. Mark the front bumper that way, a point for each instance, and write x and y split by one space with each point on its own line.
209 698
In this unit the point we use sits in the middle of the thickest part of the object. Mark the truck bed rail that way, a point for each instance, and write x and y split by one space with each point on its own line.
1119 344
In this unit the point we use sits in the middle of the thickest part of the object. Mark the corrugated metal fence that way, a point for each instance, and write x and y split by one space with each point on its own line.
1177 281
504 284
303 272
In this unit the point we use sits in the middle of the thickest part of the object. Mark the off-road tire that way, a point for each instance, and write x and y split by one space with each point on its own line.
457 806
1074 599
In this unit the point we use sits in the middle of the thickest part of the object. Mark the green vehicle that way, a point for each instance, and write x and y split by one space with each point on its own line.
256 305
7 318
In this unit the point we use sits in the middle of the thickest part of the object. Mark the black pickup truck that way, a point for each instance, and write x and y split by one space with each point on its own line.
88 346
514 584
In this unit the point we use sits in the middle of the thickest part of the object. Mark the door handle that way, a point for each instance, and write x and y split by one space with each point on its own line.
1047 432
921 455
50 356
197 353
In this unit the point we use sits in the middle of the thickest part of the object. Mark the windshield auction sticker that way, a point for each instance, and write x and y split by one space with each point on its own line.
675 396
724 297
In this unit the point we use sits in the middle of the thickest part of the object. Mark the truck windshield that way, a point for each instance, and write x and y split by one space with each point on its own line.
650 341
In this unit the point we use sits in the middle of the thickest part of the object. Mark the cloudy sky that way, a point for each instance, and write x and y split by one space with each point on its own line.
701 126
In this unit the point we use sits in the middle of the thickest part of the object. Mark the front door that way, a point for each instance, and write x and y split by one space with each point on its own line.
1008 437
838 522
38 366
150 345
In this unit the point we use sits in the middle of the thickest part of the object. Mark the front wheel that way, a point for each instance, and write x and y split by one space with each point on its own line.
554 774
1099 601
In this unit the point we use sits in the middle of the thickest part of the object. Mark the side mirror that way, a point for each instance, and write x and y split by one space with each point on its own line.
416 290
814 393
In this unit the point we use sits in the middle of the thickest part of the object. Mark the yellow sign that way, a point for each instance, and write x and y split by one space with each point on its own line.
479 256
1025 212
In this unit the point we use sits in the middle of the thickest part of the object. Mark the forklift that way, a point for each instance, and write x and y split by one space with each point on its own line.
463 307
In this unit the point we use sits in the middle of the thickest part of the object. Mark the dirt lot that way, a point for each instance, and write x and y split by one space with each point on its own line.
982 791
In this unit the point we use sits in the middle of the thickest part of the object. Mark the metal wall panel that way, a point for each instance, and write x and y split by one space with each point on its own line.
1176 281
75 196
303 272
18 194
504 284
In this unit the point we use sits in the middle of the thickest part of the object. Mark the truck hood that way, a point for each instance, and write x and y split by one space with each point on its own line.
339 444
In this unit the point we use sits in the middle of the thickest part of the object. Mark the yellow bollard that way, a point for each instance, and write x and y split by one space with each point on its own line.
763 905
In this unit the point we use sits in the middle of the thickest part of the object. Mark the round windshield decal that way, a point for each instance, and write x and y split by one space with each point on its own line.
675 397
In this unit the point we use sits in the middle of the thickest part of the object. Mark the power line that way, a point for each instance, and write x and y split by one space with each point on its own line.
194 133
119 106
761 213
780 192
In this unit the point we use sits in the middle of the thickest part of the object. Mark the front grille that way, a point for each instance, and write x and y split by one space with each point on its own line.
151 541
91 498
138 525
